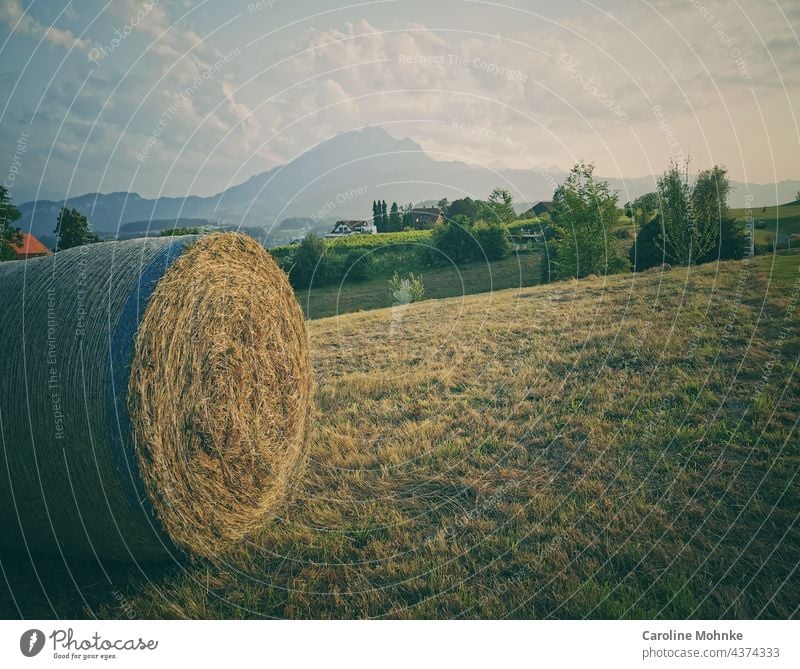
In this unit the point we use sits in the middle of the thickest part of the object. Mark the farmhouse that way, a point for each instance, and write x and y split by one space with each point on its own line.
425 217
30 248
541 207
343 228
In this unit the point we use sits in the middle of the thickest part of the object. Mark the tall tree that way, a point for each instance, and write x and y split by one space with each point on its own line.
395 224
501 206
10 236
72 229
384 217
582 215
466 206
690 215
408 217
376 216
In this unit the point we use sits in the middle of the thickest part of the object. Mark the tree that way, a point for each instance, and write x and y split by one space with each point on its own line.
10 236
582 215
493 239
443 204
376 216
384 217
693 225
395 224
501 206
646 252
358 266
72 229
308 261
454 241
733 243
691 216
179 232
463 207
408 217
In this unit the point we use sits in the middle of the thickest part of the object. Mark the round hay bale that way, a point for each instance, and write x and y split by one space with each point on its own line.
155 394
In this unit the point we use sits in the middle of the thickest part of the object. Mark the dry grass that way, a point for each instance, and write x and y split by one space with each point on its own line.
220 392
612 448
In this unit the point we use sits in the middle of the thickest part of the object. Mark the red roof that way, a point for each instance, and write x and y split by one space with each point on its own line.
31 247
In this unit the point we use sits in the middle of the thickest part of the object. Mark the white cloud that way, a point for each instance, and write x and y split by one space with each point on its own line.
21 22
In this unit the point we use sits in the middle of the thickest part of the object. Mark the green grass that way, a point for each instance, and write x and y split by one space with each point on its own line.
780 221
622 447
515 271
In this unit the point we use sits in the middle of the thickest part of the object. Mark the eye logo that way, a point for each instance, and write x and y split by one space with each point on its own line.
31 642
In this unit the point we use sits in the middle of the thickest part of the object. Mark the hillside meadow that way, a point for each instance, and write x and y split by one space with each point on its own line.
621 447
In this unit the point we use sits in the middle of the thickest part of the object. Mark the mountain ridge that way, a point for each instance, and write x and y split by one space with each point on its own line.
339 178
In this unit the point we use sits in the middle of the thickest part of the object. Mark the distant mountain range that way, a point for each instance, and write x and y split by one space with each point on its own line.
339 179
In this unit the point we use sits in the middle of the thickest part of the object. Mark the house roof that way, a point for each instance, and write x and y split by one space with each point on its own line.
31 246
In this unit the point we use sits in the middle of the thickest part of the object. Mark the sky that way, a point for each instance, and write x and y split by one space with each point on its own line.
172 97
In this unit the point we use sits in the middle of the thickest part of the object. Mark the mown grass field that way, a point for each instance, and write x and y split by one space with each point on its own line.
521 269
612 448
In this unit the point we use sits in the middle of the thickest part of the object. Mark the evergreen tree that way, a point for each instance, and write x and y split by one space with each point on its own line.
395 224
384 216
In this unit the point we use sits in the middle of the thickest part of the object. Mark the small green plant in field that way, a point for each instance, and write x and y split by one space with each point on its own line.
405 290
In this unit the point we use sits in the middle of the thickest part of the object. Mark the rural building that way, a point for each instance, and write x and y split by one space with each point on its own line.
425 217
541 207
31 248
352 228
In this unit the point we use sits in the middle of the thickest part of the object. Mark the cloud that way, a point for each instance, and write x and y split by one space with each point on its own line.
21 22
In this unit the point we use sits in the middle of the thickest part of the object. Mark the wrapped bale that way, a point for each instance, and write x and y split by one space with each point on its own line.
154 400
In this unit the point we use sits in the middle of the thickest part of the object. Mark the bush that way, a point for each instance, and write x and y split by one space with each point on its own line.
493 240
732 243
308 262
404 290
358 266
454 241
461 241
645 252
